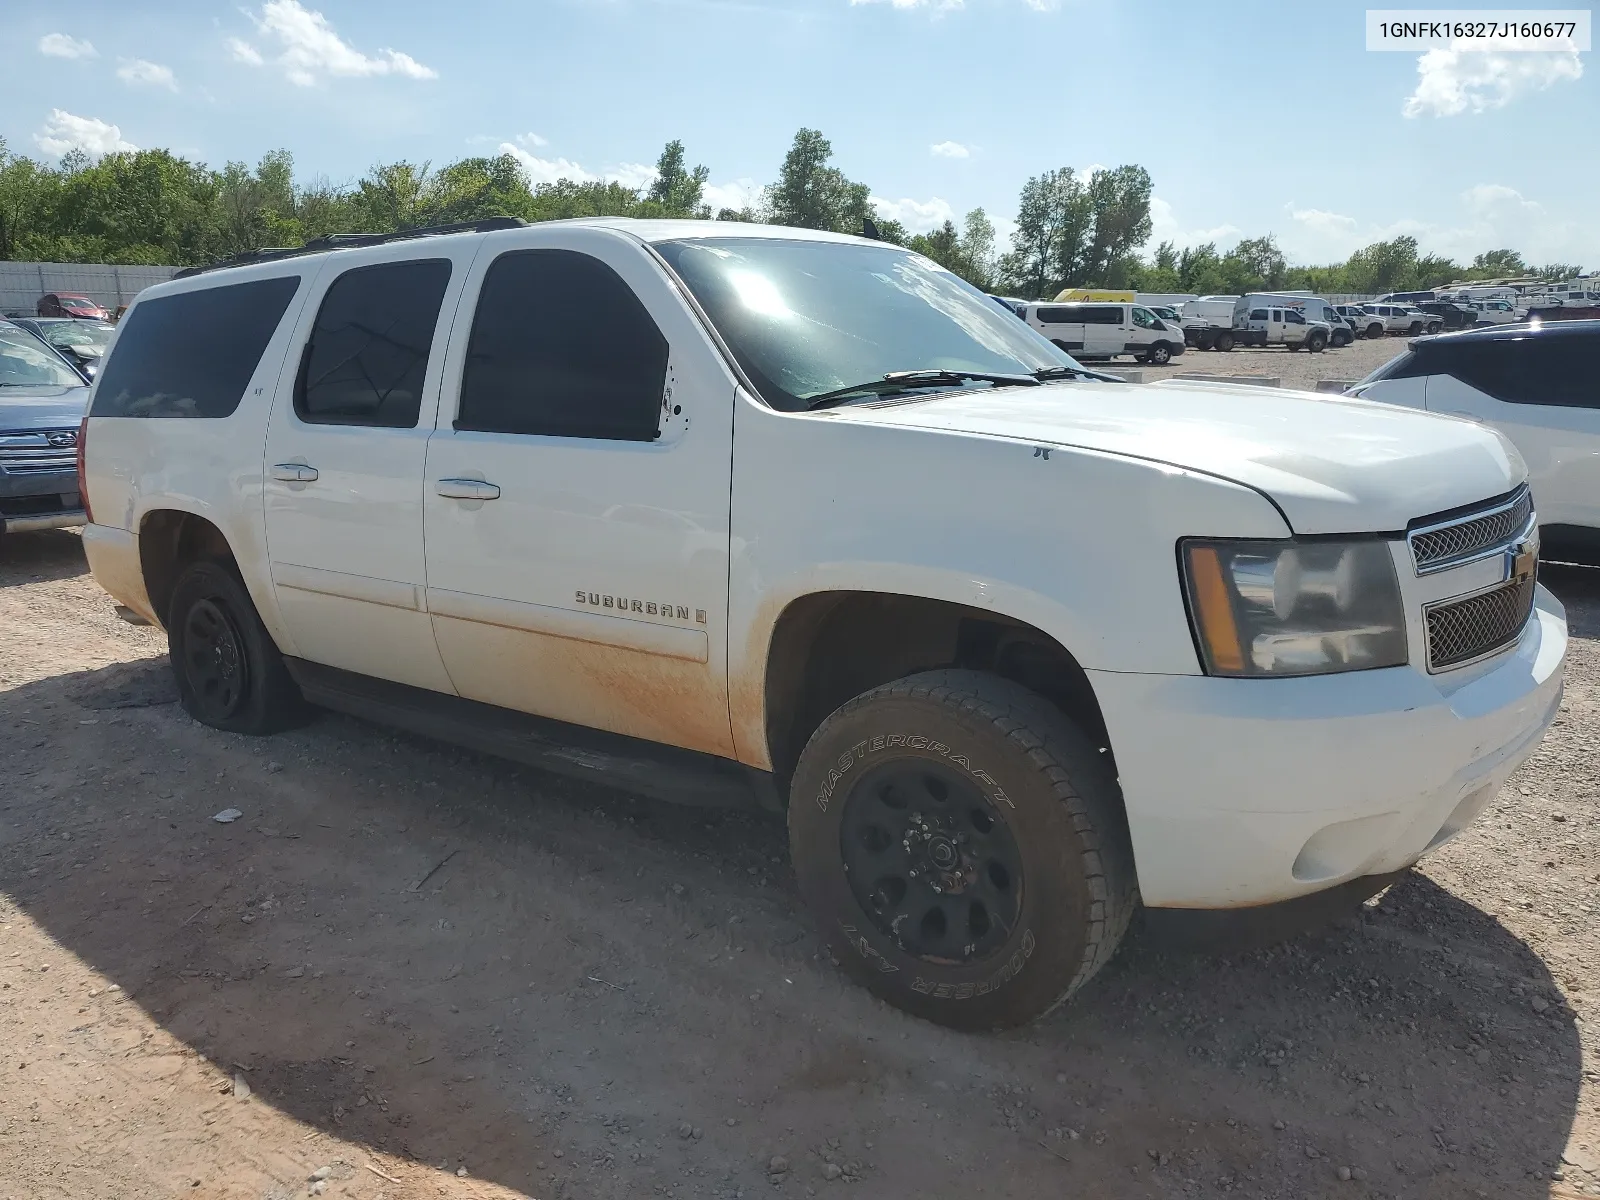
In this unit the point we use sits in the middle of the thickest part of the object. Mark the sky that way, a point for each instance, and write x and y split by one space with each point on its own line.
1251 118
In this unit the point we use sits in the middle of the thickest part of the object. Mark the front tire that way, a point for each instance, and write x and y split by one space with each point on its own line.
1160 354
1224 342
963 847
229 672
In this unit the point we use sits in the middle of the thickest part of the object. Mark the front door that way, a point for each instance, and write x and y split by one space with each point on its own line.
344 463
576 506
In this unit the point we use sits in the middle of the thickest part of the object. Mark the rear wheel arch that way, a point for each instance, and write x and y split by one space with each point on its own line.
827 648
170 540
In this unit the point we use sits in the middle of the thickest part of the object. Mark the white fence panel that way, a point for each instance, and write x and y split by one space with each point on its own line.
22 283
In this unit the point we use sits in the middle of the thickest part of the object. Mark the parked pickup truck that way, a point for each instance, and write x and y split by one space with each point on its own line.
732 513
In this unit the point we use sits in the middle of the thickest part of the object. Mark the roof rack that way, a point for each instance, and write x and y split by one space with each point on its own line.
346 241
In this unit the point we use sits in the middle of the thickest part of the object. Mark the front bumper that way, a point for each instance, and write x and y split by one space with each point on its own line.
39 499
1244 792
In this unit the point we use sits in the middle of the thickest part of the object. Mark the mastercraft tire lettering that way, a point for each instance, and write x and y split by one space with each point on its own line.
963 847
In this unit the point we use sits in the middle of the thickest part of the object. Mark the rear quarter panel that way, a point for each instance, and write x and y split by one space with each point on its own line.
211 467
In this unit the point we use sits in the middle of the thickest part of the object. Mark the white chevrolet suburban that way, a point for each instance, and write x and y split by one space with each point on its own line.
719 512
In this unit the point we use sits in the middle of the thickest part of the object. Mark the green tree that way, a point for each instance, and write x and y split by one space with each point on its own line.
678 191
813 195
1119 203
1497 264
1052 218
1558 272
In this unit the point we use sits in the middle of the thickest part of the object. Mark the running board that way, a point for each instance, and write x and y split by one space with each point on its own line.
628 764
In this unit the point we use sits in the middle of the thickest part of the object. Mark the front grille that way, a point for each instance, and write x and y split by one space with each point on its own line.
23 451
1460 631
1435 547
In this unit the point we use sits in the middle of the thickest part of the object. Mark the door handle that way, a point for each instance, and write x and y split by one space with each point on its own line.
467 489
294 473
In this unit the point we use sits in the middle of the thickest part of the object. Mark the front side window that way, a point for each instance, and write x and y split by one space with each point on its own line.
807 317
1294 317
1145 319
194 353
368 351
561 346
26 362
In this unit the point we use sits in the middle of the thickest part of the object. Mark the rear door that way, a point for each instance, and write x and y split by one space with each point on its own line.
1543 394
577 497
345 452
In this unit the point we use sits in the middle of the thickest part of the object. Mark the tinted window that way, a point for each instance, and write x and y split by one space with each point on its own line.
1102 314
1258 314
561 346
1532 370
368 352
193 354
1058 316
1294 316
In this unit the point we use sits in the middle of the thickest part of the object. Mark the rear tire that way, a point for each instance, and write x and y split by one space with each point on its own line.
1375 330
1317 342
229 672
963 848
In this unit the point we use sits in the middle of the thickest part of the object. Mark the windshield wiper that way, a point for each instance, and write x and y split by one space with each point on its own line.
900 381
1065 372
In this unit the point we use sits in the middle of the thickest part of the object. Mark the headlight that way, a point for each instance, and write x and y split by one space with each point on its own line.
1294 608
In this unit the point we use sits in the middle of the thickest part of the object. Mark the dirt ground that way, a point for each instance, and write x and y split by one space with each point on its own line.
1296 368
406 971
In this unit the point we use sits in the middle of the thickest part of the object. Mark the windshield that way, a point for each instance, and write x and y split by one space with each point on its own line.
25 363
70 333
804 318
78 302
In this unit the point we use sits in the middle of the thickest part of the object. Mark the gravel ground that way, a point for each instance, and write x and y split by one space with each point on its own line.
406 971
1297 369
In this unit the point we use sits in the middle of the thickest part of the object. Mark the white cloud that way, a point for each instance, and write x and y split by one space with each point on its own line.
1451 82
918 216
634 175
530 141
141 73
1490 215
546 170
949 150
61 45
737 194
305 47
63 132
934 5
243 51
1165 227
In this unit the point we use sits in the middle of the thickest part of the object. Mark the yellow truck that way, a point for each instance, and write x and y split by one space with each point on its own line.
1095 294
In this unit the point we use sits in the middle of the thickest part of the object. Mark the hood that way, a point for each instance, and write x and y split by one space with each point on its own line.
1333 464
42 407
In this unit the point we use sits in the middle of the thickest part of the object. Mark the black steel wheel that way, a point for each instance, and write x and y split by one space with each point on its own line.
931 861
214 661
963 848
229 672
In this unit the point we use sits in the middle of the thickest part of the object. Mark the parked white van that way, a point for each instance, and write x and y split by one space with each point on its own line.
1107 330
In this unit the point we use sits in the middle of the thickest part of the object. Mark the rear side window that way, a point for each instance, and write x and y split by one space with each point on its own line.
1104 314
561 346
1557 371
1057 316
193 354
368 352
1258 314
